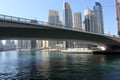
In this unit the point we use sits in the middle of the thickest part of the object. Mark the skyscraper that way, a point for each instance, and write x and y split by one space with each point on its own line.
1 44
77 21
33 44
23 44
26 44
77 26
67 22
45 43
67 15
53 19
99 17
90 21
117 3
8 44
19 44
39 44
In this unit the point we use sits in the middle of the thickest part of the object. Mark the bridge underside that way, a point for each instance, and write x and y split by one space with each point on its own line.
56 34
20 30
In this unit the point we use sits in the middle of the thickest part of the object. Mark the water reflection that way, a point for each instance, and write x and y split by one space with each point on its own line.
8 64
45 66
58 66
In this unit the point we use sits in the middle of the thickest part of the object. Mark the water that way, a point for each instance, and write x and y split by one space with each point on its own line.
26 65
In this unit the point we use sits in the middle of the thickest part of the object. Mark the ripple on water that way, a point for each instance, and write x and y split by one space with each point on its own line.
56 66
7 71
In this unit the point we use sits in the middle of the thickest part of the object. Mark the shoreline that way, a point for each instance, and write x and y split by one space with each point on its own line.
77 51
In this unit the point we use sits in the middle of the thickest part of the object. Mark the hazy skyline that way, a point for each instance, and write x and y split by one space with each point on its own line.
38 9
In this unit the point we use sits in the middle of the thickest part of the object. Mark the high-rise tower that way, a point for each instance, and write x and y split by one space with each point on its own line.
117 3
53 17
99 17
90 21
77 21
1 44
23 44
67 22
33 44
67 15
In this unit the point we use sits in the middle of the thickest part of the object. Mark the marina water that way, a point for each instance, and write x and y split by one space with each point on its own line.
44 65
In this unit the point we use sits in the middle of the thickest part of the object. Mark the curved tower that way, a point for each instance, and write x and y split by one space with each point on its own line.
99 17
67 15
67 22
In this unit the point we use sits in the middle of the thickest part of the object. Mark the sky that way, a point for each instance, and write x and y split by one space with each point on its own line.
38 9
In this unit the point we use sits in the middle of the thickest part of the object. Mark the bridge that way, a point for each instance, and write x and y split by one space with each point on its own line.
22 28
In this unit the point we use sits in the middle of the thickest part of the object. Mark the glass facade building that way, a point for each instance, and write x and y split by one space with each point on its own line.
67 22
67 15
99 17
23 44
33 44
90 21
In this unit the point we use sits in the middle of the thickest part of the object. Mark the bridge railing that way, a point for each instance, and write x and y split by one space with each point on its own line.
33 21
